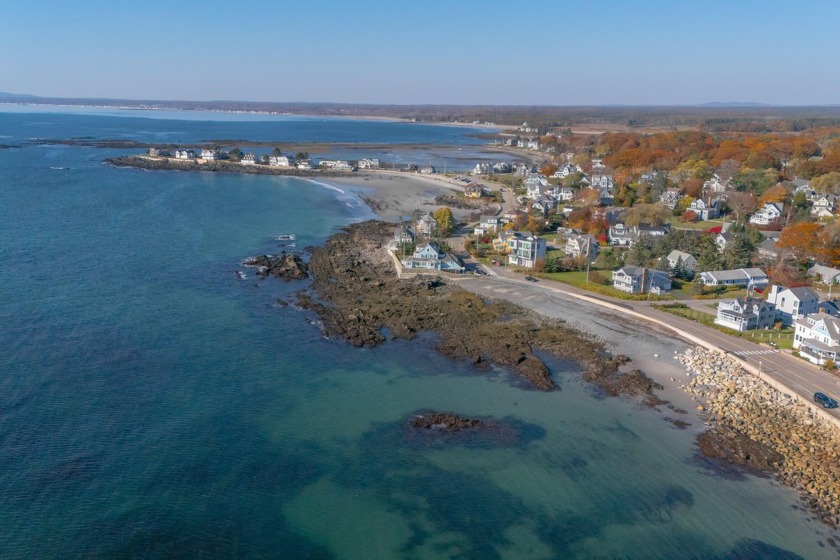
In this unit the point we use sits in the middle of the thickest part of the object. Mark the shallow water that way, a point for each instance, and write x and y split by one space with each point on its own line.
152 404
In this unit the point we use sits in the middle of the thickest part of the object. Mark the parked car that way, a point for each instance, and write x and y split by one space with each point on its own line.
479 272
824 400
531 279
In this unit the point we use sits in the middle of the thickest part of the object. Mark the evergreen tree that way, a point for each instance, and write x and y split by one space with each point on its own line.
679 271
737 252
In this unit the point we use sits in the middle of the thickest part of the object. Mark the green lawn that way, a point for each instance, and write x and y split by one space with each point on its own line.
783 338
677 223
578 280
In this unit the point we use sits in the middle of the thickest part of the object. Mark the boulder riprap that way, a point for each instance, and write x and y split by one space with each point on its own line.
288 266
358 297
760 428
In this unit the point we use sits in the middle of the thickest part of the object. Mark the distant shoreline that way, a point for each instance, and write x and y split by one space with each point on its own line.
257 112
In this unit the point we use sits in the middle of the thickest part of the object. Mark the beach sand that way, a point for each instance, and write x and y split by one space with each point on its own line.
395 196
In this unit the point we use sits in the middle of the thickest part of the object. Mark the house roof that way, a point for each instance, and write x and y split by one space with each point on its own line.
802 292
822 271
738 274
675 254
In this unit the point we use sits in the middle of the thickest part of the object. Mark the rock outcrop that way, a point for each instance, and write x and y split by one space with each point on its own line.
288 266
358 297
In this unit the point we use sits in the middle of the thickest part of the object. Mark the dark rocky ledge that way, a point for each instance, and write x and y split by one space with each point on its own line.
358 297
288 266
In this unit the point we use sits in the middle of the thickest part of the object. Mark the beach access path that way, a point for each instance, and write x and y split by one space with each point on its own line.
790 374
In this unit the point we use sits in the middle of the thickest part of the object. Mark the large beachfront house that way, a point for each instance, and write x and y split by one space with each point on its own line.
524 249
817 338
744 314
583 244
793 303
428 256
638 280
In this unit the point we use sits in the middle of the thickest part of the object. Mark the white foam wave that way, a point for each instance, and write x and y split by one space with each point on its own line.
326 185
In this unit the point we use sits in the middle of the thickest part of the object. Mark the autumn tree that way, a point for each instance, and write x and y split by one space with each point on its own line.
827 184
548 169
588 197
653 214
741 203
799 240
535 225
776 193
446 222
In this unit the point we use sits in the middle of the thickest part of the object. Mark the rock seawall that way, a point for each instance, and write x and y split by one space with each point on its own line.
758 427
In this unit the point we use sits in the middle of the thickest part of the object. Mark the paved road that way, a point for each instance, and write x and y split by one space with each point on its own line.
799 376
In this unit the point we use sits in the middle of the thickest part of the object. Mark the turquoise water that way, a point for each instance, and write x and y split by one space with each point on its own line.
153 405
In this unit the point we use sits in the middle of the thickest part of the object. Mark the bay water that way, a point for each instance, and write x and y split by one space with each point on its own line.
155 405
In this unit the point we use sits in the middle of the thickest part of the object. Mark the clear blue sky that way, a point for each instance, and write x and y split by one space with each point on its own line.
556 52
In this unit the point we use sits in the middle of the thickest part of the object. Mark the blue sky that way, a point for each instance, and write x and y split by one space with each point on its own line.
430 51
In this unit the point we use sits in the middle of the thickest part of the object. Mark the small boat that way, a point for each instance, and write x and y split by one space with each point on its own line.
286 237
288 245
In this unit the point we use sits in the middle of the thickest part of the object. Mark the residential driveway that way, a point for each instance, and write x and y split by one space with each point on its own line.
559 300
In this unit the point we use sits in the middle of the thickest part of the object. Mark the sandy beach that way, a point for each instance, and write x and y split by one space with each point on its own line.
395 196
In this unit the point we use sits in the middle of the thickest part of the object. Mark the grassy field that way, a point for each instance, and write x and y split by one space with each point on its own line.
782 338
708 224
578 280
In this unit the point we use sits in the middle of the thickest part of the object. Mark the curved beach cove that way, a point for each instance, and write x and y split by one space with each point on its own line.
155 404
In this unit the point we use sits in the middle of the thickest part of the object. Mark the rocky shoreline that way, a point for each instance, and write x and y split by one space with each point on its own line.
761 429
169 164
359 298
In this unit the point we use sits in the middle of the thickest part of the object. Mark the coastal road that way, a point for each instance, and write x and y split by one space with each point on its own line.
797 375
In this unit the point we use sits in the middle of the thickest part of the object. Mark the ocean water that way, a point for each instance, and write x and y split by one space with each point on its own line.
154 405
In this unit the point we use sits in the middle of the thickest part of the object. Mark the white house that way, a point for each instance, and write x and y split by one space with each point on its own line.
281 161
209 155
184 154
369 163
428 256
824 206
670 198
427 225
705 210
793 303
817 338
304 164
743 314
715 184
524 249
536 186
249 159
600 180
825 274
487 224
771 212
583 244
482 168
638 280
566 194
740 277
402 236
621 235
688 262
